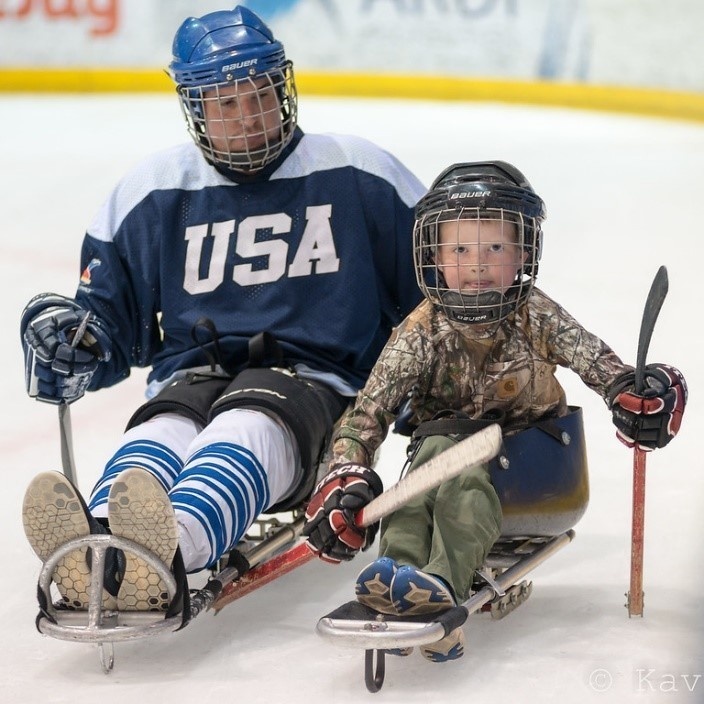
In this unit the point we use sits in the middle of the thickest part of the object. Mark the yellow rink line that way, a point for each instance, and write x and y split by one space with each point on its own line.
624 99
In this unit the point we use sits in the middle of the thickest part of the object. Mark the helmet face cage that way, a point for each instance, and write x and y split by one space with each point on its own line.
245 123
236 88
476 264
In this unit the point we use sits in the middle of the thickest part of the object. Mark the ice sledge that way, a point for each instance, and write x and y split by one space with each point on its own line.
104 627
541 477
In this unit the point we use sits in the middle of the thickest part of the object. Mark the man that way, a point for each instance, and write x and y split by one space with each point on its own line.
259 271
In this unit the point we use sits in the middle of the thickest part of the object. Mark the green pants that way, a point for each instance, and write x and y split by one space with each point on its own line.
448 530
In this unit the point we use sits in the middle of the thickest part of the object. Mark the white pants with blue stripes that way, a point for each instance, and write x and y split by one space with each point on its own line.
219 478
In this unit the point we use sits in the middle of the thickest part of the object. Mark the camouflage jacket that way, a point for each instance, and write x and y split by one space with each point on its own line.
442 365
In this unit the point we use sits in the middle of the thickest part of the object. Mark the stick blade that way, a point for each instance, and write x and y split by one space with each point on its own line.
653 304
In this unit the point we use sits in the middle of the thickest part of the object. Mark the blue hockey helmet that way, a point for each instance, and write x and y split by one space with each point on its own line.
496 196
236 88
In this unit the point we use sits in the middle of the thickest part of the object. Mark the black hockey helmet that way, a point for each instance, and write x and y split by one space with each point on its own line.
478 191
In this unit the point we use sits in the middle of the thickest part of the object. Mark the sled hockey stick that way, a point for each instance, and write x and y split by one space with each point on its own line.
231 584
68 463
653 304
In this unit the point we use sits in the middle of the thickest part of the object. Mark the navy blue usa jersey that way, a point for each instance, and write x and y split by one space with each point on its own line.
319 254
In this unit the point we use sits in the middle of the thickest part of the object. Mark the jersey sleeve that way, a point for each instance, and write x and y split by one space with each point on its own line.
569 344
119 279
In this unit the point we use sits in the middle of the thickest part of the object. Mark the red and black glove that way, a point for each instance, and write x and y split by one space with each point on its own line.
651 418
330 527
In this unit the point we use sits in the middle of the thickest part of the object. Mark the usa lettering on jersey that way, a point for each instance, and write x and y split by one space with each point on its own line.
316 253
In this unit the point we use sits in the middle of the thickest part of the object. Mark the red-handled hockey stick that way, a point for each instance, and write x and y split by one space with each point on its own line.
476 449
653 304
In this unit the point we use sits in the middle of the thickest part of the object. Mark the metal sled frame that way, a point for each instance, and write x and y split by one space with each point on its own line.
97 624
105 627
387 632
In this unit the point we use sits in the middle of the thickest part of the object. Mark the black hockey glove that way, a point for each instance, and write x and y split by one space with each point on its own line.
652 418
330 526
55 369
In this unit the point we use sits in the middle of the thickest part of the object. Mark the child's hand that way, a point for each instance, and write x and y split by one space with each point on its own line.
652 418
330 526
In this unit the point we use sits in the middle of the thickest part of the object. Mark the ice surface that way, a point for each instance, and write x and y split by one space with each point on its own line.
624 196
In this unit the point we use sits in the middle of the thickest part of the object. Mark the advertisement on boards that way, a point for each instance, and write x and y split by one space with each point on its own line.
609 42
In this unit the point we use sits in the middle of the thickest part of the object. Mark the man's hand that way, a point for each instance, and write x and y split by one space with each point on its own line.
62 345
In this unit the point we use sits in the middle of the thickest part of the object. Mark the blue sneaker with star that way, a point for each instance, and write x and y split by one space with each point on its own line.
373 585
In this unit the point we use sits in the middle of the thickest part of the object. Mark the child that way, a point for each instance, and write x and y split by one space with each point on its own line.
484 342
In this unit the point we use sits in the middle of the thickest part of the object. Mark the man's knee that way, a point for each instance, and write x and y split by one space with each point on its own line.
308 409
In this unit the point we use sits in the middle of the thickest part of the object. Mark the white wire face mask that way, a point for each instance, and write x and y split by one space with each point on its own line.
477 266
244 124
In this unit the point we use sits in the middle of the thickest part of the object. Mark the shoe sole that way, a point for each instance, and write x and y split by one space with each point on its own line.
419 595
52 515
139 509
451 647
424 595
